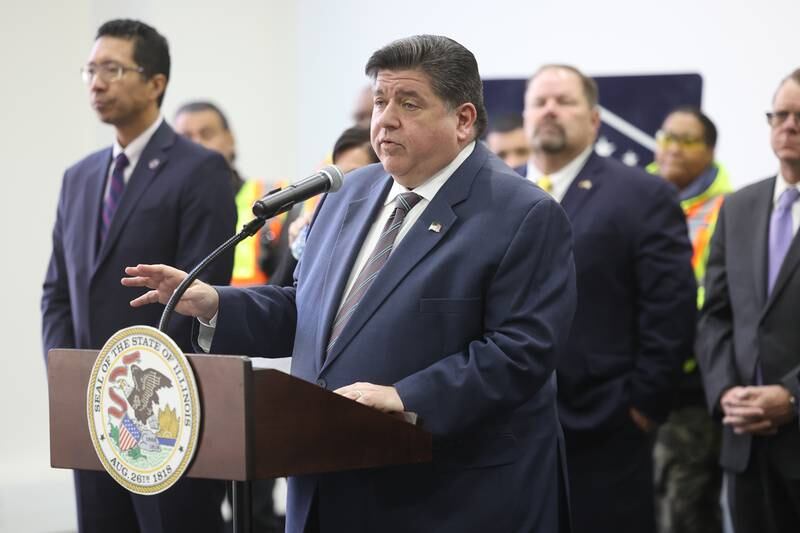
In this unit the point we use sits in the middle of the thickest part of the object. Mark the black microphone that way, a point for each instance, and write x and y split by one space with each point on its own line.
278 201
274 203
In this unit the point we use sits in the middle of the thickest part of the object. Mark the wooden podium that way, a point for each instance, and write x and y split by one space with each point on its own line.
256 424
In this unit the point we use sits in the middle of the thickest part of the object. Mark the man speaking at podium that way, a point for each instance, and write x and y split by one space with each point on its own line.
152 194
440 283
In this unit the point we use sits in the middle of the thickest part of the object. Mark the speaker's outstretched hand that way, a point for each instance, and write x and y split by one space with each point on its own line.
200 299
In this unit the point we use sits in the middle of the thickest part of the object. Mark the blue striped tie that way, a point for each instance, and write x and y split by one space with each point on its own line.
115 190
403 204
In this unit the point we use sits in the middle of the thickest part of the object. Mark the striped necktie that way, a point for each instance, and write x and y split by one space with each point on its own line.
403 204
114 195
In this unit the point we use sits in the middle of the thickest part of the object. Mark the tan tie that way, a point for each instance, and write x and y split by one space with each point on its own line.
545 183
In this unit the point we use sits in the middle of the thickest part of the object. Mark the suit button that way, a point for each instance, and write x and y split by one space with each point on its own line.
322 383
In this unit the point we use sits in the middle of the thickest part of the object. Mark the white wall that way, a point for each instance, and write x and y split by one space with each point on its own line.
740 48
287 75
240 56
44 125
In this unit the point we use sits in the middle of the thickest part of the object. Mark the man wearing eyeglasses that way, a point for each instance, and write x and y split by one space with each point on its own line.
687 477
152 196
748 339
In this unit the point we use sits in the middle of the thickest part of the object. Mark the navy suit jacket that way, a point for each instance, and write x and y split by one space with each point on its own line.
635 320
177 207
742 325
465 322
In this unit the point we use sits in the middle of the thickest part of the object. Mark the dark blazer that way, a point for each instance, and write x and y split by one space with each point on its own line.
635 320
177 207
741 325
465 322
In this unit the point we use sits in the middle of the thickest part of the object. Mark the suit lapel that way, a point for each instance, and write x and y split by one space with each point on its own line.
152 160
760 213
418 242
355 225
583 186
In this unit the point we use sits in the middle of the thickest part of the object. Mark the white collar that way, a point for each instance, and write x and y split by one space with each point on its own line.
432 185
780 186
563 177
135 148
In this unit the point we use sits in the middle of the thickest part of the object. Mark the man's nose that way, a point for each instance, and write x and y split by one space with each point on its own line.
97 84
550 106
672 146
388 117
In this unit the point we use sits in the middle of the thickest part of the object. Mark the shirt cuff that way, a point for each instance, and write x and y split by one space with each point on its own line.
206 332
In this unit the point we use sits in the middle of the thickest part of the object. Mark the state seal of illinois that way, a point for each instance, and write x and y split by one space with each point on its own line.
143 410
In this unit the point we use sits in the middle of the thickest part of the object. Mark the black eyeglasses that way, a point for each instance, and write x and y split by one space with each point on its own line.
777 118
107 72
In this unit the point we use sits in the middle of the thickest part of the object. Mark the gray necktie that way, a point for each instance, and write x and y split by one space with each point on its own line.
403 204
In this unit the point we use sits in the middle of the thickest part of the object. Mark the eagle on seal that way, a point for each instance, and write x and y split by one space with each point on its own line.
143 394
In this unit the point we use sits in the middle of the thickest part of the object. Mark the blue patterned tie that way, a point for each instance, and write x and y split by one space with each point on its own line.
115 190
403 204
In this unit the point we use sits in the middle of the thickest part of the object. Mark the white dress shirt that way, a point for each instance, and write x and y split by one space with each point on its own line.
427 191
133 152
563 178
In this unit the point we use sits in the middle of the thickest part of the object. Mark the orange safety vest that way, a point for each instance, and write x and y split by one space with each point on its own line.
246 268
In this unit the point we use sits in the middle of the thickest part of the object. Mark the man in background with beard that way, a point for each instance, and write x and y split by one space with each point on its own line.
634 322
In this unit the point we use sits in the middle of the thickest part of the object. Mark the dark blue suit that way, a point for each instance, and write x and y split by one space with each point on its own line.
464 322
176 208
633 327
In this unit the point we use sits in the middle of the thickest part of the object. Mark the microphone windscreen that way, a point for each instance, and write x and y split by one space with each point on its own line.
335 176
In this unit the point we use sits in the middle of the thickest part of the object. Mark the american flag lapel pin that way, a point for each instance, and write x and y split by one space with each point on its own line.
435 227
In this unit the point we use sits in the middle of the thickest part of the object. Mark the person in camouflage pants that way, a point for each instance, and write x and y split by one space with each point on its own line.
687 476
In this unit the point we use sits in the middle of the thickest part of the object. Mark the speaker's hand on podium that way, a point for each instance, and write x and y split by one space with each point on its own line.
200 299
380 397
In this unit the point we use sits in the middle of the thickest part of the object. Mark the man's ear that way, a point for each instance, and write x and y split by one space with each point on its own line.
596 118
158 84
466 114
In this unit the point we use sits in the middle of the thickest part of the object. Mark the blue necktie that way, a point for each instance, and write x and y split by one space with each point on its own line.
114 195
781 232
403 204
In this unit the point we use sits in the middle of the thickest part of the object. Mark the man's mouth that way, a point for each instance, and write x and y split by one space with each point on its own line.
550 126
